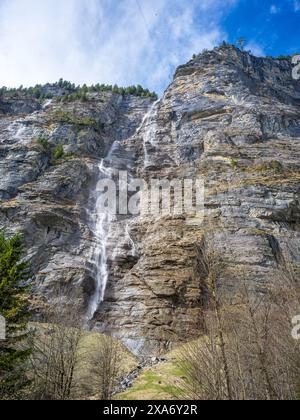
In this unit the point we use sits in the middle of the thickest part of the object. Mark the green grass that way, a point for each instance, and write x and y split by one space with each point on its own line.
68 117
45 144
56 153
155 383
234 163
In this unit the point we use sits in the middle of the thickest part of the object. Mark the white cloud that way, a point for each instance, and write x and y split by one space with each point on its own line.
274 10
296 5
255 49
106 41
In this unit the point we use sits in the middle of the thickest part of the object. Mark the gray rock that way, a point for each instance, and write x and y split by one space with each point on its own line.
228 117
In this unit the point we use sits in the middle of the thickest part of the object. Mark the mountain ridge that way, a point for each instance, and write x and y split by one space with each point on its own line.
228 117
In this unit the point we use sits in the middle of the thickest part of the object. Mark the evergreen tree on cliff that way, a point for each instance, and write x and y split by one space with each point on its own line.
14 276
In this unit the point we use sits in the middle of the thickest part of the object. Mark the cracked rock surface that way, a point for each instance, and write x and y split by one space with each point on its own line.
229 118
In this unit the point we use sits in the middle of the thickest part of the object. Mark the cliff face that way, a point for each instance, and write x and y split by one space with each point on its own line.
49 199
228 117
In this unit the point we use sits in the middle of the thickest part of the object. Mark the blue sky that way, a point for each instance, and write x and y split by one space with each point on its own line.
132 41
271 26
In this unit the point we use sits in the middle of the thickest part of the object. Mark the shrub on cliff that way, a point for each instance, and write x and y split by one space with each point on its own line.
45 144
58 153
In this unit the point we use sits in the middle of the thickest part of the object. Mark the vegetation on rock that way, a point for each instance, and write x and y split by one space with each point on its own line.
14 351
56 153
68 117
66 91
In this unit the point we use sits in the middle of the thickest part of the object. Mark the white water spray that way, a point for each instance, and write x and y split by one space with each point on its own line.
149 127
102 218
99 258
17 131
47 103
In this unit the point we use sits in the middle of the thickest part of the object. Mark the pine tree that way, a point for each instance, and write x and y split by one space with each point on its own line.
14 276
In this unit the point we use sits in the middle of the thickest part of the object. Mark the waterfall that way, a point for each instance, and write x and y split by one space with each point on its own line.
21 132
47 103
16 131
149 127
101 218
99 260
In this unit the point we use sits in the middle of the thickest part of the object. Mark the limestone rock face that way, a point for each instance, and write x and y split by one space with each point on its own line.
229 118
48 199
233 120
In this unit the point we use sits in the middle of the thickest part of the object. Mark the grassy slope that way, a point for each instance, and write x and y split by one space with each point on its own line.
155 383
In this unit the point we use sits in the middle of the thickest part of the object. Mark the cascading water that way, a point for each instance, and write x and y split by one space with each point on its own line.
149 126
21 132
101 218
47 103
99 260
17 131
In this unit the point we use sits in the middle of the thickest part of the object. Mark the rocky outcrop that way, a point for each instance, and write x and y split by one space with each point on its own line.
228 117
233 120
47 198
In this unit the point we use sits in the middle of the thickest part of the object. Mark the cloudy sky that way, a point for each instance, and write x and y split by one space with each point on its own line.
132 41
